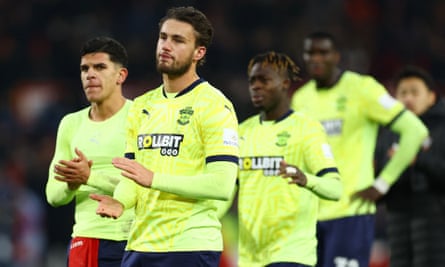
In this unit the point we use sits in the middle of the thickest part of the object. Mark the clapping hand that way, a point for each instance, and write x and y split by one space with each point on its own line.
108 206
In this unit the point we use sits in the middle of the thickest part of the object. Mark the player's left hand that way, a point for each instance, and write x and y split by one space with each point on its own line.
293 172
74 172
369 194
108 206
134 171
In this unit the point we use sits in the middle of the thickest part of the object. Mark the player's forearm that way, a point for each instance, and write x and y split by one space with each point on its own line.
327 187
216 182
102 181
222 206
412 133
57 192
126 193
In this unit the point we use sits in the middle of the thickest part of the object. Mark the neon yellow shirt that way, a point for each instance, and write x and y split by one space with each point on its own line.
100 142
350 112
276 219
179 137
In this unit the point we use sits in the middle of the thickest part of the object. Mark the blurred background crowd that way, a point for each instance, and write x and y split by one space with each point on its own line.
39 65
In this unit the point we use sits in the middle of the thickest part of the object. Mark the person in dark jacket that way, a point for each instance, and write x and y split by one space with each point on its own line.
415 204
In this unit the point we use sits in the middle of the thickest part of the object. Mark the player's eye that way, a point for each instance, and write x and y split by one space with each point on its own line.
100 66
179 40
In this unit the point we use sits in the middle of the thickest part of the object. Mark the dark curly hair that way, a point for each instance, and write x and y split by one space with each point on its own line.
278 61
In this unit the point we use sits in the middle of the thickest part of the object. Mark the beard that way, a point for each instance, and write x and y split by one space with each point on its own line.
175 69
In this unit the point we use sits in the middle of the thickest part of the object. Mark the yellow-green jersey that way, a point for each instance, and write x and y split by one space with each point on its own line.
179 137
100 141
350 112
276 219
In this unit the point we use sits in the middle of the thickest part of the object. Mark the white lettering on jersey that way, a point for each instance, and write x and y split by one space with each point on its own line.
333 127
169 144
345 262
270 165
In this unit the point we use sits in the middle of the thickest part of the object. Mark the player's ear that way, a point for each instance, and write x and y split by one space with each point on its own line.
337 57
123 73
200 52
286 83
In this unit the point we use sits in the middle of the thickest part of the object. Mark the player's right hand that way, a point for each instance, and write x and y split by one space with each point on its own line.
108 206
293 172
134 171
368 194
74 172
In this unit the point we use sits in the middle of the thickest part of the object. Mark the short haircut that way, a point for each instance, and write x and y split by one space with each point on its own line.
116 51
202 26
324 35
411 71
279 61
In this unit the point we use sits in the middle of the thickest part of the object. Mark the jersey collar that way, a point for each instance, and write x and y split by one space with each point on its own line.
187 89
285 115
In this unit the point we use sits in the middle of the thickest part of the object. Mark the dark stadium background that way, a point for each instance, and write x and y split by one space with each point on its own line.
39 66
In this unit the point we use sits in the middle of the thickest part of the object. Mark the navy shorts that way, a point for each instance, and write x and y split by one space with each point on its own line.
171 259
345 242
286 264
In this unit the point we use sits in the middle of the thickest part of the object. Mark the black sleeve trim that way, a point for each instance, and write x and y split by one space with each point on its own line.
228 158
395 118
129 155
327 170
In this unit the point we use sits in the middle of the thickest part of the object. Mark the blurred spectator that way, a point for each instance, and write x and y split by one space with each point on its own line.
415 204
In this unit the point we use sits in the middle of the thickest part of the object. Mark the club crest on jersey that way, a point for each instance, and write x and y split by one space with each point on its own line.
270 165
184 115
169 144
282 139
341 103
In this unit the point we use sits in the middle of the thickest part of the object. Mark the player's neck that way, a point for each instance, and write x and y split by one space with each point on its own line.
331 80
101 111
175 84
276 113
